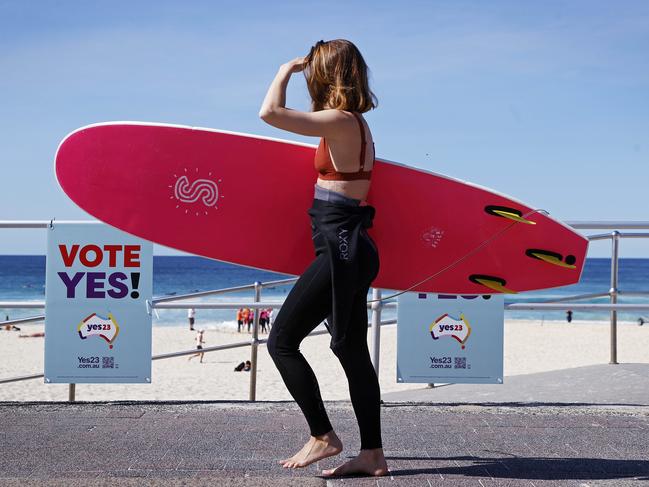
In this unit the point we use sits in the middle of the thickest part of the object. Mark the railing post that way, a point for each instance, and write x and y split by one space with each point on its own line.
376 328
254 345
71 392
615 241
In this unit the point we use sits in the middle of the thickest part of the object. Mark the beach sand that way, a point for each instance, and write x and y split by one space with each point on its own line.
530 346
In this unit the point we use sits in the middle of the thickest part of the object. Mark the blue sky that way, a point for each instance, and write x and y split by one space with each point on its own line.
545 101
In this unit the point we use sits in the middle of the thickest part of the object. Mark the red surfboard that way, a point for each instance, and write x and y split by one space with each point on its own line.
243 199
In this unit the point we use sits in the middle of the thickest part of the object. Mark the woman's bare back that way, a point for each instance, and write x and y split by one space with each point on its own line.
345 155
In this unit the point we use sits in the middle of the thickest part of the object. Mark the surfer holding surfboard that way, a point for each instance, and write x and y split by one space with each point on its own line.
335 285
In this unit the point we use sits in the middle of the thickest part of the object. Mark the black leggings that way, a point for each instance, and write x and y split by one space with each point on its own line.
308 303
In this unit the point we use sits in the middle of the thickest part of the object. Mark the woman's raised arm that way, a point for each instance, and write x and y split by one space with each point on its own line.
323 123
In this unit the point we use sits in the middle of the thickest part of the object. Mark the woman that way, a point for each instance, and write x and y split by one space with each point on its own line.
263 318
335 284
199 346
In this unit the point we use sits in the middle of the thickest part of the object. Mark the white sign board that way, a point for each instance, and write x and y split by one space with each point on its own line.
97 319
447 338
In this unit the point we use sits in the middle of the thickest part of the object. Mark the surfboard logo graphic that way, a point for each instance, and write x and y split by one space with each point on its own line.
201 191
204 189
448 326
95 325
432 236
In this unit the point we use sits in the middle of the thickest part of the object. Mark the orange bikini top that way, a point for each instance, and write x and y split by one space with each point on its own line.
325 167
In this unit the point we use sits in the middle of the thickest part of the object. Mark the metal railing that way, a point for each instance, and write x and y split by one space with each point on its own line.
376 305
170 303
614 292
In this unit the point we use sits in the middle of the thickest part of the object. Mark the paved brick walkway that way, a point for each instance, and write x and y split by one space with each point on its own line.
587 426
238 443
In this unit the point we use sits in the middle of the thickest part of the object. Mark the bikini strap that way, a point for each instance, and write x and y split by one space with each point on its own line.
360 124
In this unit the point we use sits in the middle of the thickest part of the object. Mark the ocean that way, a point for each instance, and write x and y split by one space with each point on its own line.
22 277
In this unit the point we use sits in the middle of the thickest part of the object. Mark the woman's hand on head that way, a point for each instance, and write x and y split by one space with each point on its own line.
294 65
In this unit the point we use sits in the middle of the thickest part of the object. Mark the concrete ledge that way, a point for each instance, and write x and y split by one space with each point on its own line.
622 384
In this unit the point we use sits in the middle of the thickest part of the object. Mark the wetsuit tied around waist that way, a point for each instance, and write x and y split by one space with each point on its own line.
340 230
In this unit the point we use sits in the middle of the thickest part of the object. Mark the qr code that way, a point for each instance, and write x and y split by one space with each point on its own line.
460 362
108 362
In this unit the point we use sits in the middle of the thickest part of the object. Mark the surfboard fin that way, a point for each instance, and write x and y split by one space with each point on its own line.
495 283
514 217
509 213
552 258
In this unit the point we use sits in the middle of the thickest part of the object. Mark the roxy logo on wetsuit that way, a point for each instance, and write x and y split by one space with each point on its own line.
343 245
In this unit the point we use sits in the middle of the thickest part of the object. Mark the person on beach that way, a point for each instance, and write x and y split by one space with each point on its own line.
245 314
251 318
33 335
263 317
191 314
335 284
199 346
270 318
10 327
239 319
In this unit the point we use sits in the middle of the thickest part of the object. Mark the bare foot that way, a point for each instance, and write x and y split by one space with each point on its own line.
369 462
317 448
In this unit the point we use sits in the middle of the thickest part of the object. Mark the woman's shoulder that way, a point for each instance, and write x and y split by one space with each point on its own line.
344 114
348 119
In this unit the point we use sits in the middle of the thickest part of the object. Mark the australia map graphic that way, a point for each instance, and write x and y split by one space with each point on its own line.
95 325
449 326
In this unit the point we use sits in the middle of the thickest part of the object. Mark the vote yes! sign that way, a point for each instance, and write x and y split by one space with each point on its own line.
98 290
450 338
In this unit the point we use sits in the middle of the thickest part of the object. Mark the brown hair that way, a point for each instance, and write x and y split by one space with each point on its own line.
336 75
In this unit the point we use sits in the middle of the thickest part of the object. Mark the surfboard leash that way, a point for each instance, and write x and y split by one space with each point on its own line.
465 256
